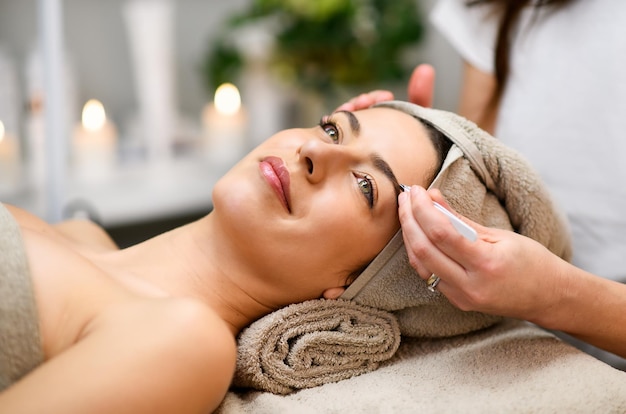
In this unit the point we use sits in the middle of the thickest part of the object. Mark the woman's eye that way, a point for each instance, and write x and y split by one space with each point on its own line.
332 131
367 188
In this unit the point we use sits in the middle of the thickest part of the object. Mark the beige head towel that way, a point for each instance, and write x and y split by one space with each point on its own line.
481 179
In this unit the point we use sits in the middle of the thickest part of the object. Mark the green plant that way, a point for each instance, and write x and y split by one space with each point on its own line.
323 44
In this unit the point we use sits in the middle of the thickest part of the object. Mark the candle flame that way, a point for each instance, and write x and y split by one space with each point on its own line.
2 131
227 99
93 117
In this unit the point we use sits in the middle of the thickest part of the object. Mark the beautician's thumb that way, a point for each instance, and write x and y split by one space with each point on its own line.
421 86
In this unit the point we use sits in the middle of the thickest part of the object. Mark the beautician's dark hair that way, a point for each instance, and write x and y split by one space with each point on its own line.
508 12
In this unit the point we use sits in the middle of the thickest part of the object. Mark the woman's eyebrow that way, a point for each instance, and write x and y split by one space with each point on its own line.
381 165
355 125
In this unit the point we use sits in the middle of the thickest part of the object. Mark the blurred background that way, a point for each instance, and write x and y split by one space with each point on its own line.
127 111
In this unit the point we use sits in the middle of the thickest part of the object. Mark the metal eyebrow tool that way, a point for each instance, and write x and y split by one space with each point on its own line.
462 227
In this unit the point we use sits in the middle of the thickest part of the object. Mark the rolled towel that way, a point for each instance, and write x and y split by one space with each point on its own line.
312 343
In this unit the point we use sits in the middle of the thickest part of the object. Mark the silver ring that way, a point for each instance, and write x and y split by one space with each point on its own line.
432 282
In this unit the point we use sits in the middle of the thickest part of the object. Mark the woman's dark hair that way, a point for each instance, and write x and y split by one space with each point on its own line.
508 12
442 145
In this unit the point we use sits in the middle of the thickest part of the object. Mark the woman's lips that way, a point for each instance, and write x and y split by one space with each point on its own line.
276 174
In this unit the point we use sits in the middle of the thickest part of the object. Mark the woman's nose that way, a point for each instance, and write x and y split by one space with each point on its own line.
321 159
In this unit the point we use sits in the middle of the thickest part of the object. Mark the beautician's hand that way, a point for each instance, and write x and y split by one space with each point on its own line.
365 100
504 273
420 91
501 273
421 86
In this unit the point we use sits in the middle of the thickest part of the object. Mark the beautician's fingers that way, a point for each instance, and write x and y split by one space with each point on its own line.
365 100
424 256
438 228
500 273
456 283
420 91
435 246
421 86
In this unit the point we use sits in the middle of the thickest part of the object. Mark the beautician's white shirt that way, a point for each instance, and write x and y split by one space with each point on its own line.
564 108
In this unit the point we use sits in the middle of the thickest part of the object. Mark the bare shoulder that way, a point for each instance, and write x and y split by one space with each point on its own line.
187 345
80 233
146 356
86 233
200 329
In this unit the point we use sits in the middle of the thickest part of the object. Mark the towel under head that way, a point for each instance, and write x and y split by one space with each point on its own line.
483 180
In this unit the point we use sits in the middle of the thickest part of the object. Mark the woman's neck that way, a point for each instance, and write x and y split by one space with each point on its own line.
195 261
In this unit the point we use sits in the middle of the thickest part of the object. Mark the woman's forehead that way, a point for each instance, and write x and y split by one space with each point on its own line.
393 127
387 117
400 139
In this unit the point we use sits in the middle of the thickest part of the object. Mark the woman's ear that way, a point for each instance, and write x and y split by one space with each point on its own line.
334 293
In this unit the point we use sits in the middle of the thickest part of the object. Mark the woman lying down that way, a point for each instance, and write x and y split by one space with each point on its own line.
87 327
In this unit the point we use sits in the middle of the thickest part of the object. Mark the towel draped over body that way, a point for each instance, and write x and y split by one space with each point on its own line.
20 344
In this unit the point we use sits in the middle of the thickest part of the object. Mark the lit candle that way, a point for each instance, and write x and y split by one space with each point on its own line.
9 149
95 141
224 123
9 156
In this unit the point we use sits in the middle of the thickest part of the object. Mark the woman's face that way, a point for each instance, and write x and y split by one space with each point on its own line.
310 206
